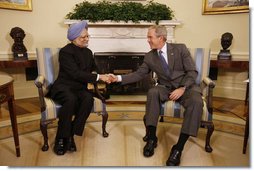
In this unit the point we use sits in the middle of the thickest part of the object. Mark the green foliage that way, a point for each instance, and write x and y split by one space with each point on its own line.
126 11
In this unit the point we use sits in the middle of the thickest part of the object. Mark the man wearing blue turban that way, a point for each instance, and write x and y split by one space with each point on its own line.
76 64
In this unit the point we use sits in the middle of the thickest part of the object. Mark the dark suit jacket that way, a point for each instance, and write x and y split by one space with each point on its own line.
181 66
75 67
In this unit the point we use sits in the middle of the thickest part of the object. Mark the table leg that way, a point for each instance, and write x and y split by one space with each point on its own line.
247 94
14 125
246 134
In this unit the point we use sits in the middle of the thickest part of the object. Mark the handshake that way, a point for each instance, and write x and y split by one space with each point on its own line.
108 78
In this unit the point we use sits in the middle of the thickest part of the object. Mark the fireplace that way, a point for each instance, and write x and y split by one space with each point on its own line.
120 63
119 48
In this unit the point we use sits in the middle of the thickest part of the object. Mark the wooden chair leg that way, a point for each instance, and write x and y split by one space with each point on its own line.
104 122
43 127
162 119
210 129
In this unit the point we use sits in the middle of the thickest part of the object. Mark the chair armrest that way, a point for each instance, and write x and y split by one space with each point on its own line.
210 84
39 81
154 79
98 93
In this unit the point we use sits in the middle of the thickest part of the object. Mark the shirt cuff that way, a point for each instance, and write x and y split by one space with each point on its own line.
98 77
119 78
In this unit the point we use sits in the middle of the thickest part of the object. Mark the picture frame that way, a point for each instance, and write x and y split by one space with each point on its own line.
24 5
128 0
225 6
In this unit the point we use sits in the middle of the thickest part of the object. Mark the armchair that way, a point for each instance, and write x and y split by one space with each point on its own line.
201 58
47 63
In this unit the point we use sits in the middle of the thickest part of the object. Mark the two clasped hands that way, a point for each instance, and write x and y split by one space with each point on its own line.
109 78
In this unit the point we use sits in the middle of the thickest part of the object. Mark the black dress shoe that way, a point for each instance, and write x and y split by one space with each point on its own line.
60 146
71 146
174 157
145 138
148 150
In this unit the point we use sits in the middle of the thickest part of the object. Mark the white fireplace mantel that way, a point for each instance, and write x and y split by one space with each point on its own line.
129 23
110 36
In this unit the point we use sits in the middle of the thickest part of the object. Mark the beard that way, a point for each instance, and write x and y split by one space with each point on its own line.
86 44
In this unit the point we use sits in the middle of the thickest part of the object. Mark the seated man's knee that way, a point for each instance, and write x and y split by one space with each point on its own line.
71 100
197 100
153 92
87 97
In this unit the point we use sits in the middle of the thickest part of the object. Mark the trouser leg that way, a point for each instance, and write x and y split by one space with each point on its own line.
193 104
155 97
85 106
68 109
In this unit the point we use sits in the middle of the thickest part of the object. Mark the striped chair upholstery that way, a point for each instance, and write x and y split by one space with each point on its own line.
201 58
48 67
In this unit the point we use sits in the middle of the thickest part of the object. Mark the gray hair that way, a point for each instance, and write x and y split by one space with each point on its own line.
160 31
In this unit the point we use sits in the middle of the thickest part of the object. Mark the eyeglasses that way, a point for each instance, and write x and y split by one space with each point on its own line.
85 37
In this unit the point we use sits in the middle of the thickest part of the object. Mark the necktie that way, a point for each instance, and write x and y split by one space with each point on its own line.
164 63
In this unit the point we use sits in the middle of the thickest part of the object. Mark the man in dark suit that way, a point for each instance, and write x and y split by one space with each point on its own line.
76 64
176 73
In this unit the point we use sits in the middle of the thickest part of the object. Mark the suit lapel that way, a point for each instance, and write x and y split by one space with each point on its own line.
170 53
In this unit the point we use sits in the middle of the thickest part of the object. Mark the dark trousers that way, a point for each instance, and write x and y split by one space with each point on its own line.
77 103
191 101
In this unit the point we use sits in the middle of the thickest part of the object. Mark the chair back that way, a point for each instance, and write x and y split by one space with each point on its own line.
48 65
201 57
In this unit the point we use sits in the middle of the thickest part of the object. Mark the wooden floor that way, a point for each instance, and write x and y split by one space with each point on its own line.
124 145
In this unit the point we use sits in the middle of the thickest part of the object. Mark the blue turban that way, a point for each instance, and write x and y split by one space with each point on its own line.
75 30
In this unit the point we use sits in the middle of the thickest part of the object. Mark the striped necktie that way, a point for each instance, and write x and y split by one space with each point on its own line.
164 63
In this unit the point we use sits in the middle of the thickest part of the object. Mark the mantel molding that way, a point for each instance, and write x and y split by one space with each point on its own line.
129 23
131 33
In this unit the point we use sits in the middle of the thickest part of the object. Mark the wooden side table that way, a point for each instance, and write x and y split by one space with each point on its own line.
7 95
235 65
16 64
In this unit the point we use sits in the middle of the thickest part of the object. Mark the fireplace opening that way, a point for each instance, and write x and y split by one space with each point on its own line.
120 63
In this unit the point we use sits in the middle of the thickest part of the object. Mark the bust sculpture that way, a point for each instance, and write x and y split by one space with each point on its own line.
18 48
226 41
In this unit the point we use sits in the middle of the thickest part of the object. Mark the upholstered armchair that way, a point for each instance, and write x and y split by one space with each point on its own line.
201 58
48 66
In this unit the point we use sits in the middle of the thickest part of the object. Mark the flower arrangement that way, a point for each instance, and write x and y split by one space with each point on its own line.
120 11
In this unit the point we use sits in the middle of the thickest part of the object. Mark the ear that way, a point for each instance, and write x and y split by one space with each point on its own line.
161 38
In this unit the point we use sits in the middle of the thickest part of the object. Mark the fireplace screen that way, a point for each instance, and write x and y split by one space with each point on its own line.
120 63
